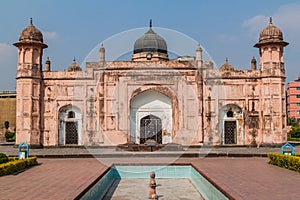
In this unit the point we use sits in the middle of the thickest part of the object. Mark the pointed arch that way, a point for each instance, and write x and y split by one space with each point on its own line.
168 103
36 56
231 125
70 125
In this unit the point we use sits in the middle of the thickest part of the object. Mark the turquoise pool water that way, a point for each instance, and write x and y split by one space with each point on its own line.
177 172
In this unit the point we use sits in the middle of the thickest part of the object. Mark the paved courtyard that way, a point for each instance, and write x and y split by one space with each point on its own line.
65 178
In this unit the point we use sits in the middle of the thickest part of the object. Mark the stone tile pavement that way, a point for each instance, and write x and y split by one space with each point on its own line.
242 176
250 178
65 178
52 179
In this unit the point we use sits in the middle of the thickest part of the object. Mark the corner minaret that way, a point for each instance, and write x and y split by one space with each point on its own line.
273 97
30 52
253 64
29 85
271 45
199 60
102 53
48 65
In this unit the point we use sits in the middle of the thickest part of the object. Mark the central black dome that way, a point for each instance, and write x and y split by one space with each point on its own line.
150 42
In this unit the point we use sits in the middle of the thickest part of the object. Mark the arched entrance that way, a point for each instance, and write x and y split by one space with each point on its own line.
232 125
70 125
151 117
151 128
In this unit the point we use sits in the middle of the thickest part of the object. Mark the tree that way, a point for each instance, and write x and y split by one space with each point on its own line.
295 131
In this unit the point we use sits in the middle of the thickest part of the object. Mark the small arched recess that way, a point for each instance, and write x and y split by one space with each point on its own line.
70 125
231 125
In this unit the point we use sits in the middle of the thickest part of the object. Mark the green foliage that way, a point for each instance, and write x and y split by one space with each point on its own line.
293 139
12 159
10 137
3 158
285 161
17 165
9 134
295 128
294 134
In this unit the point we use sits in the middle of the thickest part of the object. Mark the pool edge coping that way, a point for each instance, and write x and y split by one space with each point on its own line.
81 194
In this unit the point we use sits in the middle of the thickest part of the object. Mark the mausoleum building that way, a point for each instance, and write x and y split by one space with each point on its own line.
184 101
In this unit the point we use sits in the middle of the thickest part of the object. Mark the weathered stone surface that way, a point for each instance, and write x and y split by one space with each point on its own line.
188 101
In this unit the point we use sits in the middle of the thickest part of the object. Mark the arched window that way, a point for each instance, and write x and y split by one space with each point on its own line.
27 56
71 114
229 113
35 56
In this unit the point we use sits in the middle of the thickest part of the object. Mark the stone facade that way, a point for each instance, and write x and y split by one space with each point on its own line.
151 97
7 111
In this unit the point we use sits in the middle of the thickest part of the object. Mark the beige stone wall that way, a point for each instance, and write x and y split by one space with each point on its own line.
200 100
182 94
110 91
7 113
261 98
104 91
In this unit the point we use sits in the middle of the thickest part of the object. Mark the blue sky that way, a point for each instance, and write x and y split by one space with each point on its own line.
73 28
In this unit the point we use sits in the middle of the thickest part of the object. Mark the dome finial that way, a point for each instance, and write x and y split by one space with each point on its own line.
74 67
30 20
226 66
150 23
271 20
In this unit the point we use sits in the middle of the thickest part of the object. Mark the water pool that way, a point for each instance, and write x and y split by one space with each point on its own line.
174 182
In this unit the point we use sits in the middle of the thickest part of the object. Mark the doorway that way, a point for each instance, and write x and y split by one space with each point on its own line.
151 128
71 133
230 132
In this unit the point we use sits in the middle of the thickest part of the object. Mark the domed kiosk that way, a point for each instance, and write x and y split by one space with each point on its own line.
31 35
270 34
226 66
74 67
150 46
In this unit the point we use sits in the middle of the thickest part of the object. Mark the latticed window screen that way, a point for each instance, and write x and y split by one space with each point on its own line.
230 132
151 129
71 133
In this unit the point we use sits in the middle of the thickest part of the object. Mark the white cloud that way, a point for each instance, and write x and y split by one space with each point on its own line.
49 35
255 24
288 16
285 17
